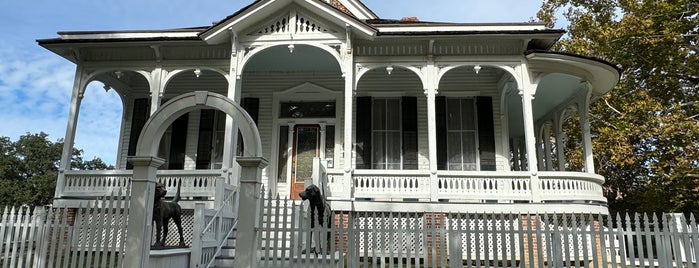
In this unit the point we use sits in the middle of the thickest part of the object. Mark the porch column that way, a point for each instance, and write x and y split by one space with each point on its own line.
348 146
431 92
584 108
69 141
560 140
139 229
230 140
250 193
527 92
547 146
540 155
157 88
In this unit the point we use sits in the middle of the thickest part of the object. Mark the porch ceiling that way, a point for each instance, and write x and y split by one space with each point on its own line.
553 91
304 58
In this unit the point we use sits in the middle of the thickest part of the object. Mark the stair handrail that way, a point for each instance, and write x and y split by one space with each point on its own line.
228 201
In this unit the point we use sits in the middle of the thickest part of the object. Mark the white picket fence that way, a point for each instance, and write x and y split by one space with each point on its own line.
443 239
88 236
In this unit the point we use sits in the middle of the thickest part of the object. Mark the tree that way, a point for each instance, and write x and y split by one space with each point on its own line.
29 169
647 133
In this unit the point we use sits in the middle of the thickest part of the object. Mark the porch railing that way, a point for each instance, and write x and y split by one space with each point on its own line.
196 184
460 186
212 227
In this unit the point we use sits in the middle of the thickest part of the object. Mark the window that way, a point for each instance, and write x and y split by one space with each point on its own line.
307 109
461 134
386 133
465 133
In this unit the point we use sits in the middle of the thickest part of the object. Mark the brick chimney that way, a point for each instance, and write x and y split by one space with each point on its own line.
413 18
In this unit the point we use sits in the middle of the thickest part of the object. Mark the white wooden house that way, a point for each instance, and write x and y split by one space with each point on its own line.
404 115
385 115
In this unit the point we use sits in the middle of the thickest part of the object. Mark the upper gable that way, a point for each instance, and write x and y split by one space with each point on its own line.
293 22
269 19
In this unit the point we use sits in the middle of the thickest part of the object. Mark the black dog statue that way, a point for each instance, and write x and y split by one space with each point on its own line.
163 211
317 207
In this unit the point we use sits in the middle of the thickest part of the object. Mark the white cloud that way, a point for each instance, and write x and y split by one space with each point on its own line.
35 95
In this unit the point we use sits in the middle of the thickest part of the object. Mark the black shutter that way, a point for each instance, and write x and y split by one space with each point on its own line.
141 112
486 132
178 142
363 133
252 107
409 110
206 137
441 117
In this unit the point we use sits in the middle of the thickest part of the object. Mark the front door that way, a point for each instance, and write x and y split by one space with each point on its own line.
306 146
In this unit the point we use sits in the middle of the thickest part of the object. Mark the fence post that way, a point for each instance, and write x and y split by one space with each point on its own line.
138 234
220 193
198 228
250 193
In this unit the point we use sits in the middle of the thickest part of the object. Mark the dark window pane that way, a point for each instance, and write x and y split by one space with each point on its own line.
307 109
467 110
453 114
379 115
393 114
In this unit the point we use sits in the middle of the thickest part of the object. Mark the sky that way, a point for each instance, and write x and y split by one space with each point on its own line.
36 85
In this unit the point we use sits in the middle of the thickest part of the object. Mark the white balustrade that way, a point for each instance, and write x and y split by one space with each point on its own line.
467 186
195 184
484 185
571 186
391 184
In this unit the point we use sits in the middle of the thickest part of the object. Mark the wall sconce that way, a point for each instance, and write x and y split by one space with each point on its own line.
119 74
477 68
197 72
389 69
291 48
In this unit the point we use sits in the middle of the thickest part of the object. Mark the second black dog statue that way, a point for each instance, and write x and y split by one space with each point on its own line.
163 211
318 208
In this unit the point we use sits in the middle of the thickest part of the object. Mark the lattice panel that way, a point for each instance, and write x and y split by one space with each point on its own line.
390 233
567 236
108 228
489 234
173 238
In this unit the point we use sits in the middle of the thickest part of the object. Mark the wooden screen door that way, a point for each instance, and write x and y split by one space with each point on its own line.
306 147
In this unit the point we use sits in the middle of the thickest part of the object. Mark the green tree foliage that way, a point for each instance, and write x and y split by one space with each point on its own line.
29 169
647 133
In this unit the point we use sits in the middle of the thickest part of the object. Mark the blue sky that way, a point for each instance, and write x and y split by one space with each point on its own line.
36 85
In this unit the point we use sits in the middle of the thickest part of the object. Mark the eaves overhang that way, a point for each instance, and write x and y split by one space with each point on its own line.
245 18
601 74
359 9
